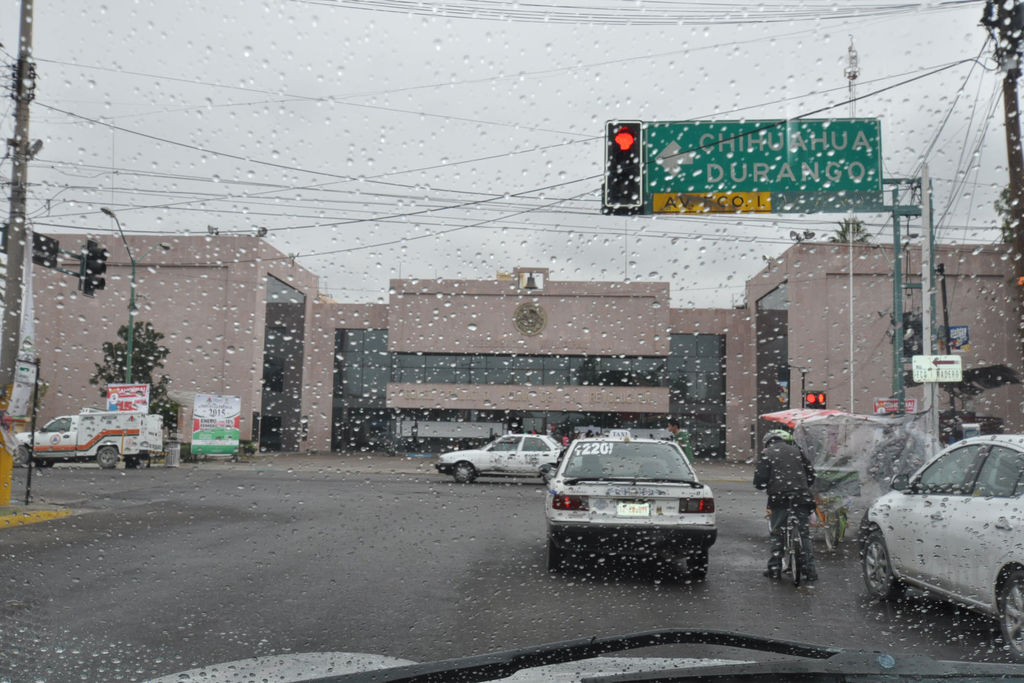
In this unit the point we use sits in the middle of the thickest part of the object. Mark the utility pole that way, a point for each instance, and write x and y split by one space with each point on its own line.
1006 26
852 72
17 233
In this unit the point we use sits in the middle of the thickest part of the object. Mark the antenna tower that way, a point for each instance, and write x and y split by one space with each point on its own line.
851 72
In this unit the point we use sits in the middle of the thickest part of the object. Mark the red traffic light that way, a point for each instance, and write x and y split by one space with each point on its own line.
624 138
816 399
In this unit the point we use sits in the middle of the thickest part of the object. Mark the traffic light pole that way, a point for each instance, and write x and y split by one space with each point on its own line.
898 390
898 286
131 327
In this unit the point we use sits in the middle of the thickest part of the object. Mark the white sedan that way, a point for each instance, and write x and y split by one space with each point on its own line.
509 455
633 498
956 529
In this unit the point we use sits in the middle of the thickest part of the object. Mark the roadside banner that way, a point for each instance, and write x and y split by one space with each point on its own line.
128 398
25 372
215 424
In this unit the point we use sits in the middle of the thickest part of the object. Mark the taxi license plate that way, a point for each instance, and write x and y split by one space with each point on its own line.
634 510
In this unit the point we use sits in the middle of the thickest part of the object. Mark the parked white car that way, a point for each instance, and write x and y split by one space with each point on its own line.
630 497
509 455
956 529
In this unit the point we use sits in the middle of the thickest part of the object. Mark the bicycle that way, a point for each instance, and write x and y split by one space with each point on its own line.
792 546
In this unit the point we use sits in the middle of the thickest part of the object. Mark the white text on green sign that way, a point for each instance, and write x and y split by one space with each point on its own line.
805 155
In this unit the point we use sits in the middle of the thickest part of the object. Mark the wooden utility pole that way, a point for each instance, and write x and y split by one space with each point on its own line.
1006 25
17 233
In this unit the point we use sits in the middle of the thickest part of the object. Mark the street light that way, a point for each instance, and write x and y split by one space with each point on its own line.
131 299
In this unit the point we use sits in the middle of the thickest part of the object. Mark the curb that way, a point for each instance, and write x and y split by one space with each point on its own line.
12 516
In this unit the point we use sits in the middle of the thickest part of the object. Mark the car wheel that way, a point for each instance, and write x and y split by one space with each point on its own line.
556 558
464 472
106 457
21 456
878 575
1011 612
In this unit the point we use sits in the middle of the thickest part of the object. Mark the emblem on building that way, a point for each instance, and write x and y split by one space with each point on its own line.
529 318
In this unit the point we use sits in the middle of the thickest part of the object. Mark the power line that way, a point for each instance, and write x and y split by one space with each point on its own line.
639 14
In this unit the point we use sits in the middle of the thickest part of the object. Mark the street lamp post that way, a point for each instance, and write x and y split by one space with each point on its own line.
131 297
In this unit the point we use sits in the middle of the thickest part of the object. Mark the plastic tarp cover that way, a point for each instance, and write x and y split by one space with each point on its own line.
856 456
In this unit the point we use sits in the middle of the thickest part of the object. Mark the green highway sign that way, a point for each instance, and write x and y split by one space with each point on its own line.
763 166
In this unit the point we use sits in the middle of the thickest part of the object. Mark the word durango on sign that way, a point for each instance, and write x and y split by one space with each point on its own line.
762 166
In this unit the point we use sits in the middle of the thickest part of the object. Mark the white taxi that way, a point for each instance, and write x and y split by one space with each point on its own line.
509 455
630 497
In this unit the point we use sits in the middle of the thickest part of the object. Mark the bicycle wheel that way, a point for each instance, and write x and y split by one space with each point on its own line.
795 555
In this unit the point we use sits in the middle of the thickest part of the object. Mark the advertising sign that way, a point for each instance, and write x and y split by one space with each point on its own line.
128 398
959 338
887 406
215 424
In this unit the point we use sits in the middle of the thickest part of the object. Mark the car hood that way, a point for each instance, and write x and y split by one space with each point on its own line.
291 668
571 660
459 455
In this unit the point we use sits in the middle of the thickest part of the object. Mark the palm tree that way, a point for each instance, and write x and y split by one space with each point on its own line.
851 230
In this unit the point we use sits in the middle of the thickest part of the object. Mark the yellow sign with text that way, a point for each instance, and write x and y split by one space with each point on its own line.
712 202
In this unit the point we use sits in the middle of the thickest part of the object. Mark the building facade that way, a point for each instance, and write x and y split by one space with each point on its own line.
448 362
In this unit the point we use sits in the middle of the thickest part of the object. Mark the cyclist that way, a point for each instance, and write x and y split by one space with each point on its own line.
787 474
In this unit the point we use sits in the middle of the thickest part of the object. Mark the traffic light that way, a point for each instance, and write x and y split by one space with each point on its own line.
816 399
94 265
44 250
623 168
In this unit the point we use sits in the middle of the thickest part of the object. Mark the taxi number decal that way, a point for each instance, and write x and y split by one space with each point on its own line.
603 448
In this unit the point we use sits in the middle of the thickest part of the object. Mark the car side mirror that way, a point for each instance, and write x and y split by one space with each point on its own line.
900 482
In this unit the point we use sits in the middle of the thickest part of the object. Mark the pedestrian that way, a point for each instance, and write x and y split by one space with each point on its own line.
681 438
787 475
565 440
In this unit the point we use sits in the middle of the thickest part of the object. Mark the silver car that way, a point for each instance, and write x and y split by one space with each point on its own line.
956 529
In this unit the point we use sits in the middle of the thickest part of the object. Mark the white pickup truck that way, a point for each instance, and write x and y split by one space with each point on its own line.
105 437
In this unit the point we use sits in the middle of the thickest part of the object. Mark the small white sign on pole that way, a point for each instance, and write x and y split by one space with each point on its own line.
937 368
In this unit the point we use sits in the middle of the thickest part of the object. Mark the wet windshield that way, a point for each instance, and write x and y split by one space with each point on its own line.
339 297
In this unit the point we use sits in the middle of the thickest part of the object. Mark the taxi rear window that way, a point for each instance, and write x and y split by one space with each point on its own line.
611 459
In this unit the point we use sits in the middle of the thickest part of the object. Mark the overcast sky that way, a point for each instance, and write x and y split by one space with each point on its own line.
458 139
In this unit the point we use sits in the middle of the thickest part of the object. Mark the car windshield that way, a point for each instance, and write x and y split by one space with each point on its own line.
320 318
627 460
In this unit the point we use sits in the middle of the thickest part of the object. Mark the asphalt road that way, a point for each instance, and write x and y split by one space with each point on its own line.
163 570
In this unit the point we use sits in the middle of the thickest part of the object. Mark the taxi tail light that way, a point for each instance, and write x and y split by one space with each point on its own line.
563 502
701 506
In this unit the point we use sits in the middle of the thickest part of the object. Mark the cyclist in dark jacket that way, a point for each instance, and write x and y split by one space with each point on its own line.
787 474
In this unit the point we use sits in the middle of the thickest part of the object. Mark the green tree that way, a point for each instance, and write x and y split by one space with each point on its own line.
850 228
148 355
1002 206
